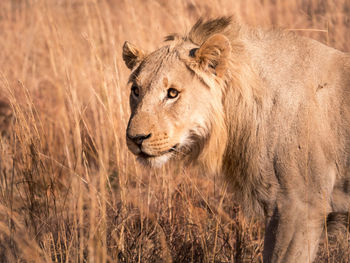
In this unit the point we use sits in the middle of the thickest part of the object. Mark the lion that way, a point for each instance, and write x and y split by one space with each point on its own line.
267 109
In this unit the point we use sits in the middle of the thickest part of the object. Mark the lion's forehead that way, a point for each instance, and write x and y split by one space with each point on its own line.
160 67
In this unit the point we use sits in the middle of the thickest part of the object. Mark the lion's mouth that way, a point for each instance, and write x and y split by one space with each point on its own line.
145 155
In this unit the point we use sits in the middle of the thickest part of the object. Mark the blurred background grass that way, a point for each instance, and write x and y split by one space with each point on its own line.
69 189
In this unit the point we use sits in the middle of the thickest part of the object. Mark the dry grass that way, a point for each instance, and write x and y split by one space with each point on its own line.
69 189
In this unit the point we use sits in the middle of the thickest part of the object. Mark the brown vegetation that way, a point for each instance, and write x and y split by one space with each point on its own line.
70 189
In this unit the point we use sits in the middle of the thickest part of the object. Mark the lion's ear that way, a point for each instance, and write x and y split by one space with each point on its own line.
214 54
131 55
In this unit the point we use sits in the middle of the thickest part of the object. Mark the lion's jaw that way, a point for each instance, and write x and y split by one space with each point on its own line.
157 152
173 143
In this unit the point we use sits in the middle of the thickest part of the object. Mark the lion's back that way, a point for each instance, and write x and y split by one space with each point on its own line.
287 61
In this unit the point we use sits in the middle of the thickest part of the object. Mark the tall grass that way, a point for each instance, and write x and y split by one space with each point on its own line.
69 189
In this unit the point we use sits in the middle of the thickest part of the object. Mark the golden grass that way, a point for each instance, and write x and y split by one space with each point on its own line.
69 189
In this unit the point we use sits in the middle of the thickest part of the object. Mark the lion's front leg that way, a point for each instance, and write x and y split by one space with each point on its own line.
293 233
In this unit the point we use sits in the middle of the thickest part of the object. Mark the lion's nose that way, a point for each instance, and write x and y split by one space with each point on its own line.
139 138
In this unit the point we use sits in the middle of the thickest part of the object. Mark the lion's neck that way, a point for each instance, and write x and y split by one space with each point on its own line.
235 145
242 159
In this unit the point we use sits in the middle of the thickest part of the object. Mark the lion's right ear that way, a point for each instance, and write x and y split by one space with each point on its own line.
131 55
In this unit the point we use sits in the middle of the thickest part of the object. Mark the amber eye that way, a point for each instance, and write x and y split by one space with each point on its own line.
135 90
172 93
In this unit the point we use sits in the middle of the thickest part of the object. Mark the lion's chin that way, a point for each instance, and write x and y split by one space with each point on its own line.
154 161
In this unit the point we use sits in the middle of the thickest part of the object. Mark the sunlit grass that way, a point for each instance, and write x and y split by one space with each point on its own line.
69 189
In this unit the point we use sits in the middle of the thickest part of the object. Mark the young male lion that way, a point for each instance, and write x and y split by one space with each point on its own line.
269 110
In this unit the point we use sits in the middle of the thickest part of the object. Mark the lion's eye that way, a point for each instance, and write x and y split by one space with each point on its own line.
172 93
135 90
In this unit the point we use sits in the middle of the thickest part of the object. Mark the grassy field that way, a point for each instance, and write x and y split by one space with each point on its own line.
69 189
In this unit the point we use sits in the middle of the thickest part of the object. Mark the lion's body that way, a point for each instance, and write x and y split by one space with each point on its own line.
272 114
303 119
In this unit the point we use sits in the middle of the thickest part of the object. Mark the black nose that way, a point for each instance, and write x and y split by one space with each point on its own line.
139 138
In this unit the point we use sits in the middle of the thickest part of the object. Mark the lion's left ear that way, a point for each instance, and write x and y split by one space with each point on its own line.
214 54
132 55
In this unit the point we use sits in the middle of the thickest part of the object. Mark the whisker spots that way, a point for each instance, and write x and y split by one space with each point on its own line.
157 144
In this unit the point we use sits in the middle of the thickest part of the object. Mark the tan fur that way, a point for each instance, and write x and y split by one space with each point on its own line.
267 109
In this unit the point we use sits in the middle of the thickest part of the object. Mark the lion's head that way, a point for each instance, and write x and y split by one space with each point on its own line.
177 95
182 95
